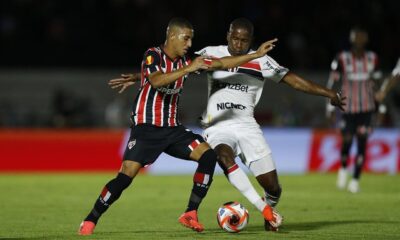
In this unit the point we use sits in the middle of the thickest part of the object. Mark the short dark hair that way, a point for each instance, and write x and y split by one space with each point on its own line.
243 23
180 22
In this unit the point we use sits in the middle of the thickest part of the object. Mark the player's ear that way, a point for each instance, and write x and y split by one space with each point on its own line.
228 35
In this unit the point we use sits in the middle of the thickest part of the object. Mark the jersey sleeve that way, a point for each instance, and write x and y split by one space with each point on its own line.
151 62
377 73
270 69
203 52
335 68
396 70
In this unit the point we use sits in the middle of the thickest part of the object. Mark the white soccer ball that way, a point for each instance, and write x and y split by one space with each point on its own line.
232 217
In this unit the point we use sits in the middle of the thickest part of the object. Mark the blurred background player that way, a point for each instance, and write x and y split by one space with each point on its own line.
354 72
229 118
156 127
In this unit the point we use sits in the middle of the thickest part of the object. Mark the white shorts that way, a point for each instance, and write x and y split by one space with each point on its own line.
247 141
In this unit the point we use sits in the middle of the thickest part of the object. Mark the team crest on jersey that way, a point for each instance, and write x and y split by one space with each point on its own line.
131 143
149 60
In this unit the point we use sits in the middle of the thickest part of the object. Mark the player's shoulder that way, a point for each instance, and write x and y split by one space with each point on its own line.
216 51
153 50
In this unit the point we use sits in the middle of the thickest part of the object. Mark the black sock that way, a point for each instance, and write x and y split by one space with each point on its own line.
202 179
360 159
110 193
272 197
345 151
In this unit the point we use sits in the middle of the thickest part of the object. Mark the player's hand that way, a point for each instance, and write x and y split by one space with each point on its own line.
123 82
198 63
266 47
338 101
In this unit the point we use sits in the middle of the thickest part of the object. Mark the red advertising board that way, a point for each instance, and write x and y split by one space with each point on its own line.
60 150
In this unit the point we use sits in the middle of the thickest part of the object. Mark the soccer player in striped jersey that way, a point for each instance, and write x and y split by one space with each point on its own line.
156 127
229 118
354 72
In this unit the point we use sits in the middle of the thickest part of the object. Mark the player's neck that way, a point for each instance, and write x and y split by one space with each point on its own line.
167 48
358 52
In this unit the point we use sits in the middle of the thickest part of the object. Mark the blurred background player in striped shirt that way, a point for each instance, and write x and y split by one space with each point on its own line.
354 72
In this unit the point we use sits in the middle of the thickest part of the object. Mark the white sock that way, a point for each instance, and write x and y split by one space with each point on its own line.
242 183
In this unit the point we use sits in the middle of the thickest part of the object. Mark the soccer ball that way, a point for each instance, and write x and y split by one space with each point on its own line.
232 217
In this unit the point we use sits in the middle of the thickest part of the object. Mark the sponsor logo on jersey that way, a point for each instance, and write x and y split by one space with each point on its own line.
149 60
236 86
169 90
270 67
230 105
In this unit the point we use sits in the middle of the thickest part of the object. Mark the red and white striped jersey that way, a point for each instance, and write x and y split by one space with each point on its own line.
159 106
357 75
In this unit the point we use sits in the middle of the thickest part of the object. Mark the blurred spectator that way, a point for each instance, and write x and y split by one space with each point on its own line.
70 110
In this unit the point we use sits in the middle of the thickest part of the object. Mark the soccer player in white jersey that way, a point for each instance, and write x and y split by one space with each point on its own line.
229 118
231 128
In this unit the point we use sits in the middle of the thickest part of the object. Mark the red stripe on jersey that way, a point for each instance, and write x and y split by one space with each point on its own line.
252 65
354 96
353 62
158 109
346 87
233 168
365 63
173 110
142 103
179 82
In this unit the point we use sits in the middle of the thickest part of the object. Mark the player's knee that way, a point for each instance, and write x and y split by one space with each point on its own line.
130 168
226 158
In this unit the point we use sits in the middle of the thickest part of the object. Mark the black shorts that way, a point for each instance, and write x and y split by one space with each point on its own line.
147 142
351 122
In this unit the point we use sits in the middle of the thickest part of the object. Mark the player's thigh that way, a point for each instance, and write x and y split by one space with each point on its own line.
348 125
185 144
252 144
145 144
218 135
364 123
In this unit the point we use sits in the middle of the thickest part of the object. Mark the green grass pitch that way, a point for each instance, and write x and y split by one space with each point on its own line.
51 206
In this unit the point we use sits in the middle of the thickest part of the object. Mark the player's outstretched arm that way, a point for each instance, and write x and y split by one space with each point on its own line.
126 80
159 79
387 85
234 61
301 84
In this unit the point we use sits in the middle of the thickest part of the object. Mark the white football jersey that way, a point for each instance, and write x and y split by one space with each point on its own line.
234 93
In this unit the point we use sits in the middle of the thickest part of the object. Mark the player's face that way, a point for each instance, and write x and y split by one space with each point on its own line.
239 41
182 40
358 39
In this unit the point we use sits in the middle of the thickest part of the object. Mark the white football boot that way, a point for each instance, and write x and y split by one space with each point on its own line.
354 186
341 178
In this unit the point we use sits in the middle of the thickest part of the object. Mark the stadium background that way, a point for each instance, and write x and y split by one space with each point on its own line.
57 56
